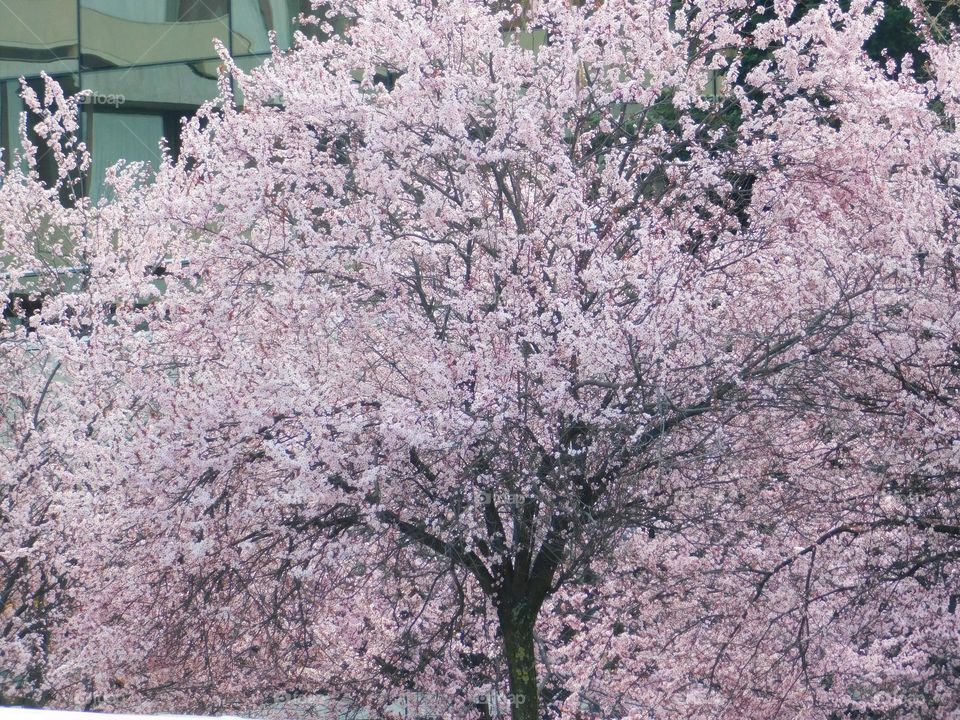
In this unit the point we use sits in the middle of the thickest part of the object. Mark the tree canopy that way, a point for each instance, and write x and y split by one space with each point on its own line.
502 374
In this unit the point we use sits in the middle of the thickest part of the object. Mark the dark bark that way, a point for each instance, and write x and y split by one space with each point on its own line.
516 624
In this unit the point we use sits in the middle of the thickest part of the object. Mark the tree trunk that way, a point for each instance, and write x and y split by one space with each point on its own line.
516 624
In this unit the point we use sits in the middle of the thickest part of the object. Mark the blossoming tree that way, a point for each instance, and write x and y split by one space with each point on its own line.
40 492
490 365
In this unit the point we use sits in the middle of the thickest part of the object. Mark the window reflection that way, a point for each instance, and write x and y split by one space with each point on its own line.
131 109
197 10
180 85
37 36
254 19
147 64
119 33
50 36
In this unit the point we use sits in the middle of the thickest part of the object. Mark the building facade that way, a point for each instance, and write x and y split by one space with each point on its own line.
146 63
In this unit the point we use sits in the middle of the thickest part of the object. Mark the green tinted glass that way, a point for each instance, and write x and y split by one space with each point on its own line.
120 33
122 135
176 86
253 20
37 36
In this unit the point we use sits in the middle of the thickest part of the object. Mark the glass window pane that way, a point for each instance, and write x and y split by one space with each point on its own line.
177 86
10 108
128 110
120 33
199 10
37 36
121 135
253 19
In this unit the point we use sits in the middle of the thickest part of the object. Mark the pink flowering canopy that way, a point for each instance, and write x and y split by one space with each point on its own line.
483 358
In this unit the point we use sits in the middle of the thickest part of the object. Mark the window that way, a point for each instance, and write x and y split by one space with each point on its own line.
10 109
37 35
198 10
131 109
119 33
254 19
148 64
122 135
175 86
